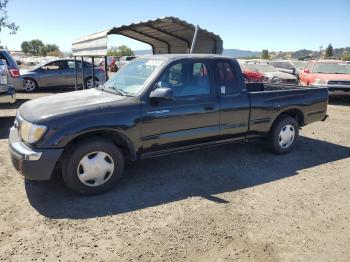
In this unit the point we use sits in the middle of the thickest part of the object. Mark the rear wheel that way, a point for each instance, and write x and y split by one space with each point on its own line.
93 166
283 135
30 85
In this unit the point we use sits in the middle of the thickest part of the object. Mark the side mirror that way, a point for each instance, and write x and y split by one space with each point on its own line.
307 71
162 93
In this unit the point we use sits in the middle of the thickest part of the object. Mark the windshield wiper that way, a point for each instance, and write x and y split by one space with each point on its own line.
118 90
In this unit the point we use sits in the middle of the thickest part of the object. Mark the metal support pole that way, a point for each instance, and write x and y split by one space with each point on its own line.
105 64
75 74
93 71
194 39
82 72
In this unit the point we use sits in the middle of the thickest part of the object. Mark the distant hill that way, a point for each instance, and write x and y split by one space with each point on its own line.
240 53
227 52
237 53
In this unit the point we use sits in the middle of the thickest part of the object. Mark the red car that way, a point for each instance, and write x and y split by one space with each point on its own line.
333 74
252 76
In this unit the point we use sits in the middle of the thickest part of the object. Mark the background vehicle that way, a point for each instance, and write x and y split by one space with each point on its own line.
154 106
289 66
124 60
111 63
271 74
252 76
333 74
14 78
7 93
60 73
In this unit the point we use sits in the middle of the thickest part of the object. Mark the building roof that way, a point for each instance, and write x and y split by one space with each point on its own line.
168 35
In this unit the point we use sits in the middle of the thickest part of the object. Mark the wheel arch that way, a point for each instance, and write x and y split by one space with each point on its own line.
295 113
31 78
116 137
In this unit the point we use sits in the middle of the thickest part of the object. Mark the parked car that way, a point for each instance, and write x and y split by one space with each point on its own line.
155 105
271 74
111 63
124 60
7 93
289 66
333 74
14 77
60 73
252 76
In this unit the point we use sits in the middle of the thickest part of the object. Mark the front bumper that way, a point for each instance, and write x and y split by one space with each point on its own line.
337 90
33 164
8 97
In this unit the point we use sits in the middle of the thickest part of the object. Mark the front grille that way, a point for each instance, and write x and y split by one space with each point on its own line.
338 82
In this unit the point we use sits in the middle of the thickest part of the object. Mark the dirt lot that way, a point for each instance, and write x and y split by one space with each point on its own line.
234 202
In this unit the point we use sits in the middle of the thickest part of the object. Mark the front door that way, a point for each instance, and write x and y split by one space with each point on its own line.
192 115
52 74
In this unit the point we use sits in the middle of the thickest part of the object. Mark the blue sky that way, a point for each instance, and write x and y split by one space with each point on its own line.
250 25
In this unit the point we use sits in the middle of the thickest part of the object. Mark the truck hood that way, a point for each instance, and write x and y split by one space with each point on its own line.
328 77
60 104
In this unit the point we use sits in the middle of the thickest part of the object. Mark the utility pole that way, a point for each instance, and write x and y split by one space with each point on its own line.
321 51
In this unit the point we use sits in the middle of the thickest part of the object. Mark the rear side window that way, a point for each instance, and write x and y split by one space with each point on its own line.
3 57
227 79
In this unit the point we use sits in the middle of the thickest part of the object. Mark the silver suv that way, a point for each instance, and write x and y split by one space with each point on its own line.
14 77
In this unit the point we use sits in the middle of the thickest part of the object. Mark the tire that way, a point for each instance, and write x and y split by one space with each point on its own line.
92 166
283 135
30 85
88 82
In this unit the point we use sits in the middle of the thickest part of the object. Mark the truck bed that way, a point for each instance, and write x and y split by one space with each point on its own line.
267 101
260 87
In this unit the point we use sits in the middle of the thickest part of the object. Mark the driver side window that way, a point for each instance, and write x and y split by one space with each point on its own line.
186 79
58 65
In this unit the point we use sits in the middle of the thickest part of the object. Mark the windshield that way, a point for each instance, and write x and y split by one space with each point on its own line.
331 68
261 68
299 64
131 78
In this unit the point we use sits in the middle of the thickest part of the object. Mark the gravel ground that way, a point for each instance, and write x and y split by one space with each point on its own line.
233 202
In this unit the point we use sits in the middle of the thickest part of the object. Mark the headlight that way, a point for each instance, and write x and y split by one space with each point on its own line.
319 81
31 133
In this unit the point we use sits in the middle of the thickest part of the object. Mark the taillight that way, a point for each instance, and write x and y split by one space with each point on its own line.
14 72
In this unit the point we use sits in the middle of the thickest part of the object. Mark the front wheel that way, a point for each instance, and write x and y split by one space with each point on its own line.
30 85
89 83
283 135
92 166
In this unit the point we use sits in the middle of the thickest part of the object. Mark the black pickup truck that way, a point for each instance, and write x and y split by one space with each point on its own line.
153 106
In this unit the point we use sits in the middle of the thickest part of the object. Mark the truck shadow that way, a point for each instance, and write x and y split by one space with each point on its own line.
203 173
5 124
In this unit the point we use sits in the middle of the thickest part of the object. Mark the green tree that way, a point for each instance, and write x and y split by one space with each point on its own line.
122 50
345 57
34 47
52 48
4 19
56 53
37 47
265 54
329 51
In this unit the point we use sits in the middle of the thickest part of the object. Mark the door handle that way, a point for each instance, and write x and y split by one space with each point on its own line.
209 108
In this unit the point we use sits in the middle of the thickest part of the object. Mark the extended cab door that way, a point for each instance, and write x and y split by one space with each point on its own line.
234 99
192 115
